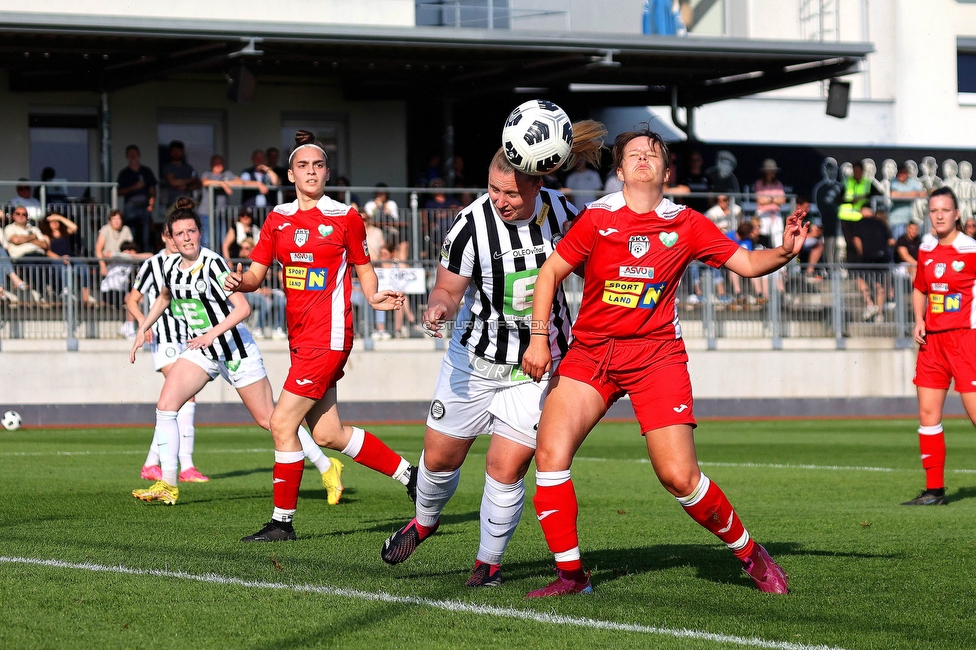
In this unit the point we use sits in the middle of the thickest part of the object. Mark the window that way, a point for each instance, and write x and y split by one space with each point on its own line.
478 14
966 69
330 130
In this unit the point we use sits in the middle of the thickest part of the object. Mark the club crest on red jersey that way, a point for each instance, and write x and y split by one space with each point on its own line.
301 236
940 269
639 245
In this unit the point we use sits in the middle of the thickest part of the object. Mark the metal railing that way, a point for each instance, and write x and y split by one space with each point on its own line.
66 300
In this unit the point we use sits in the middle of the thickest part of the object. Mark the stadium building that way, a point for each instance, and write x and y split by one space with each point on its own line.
388 84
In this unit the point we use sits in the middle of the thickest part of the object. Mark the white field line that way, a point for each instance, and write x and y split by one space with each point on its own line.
831 468
447 605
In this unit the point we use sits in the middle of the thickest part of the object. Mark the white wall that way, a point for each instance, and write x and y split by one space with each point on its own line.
42 372
357 12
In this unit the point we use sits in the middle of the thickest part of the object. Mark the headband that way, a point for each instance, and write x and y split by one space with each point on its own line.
307 144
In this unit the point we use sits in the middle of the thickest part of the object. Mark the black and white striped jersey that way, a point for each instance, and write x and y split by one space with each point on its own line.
503 260
149 279
200 301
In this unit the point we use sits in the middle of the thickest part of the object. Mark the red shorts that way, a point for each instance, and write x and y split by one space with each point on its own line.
314 371
947 356
654 374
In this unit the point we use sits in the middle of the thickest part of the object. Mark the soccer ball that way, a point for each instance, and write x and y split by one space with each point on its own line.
537 137
11 420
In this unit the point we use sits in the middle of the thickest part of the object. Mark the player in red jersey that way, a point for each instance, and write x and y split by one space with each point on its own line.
627 340
317 241
945 318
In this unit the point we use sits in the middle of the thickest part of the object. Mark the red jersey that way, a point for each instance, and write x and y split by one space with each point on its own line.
315 248
634 263
947 275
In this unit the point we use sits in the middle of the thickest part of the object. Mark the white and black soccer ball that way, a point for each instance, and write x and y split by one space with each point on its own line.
11 420
537 137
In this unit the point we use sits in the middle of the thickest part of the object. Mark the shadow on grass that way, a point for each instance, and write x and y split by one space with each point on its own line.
241 472
963 493
712 563
387 526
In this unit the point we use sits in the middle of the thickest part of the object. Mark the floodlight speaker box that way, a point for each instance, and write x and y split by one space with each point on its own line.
242 85
838 98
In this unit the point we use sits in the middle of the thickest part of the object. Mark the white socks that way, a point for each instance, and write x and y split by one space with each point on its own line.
167 438
184 419
434 490
501 509
312 451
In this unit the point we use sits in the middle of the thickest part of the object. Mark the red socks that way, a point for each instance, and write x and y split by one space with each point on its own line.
931 440
557 510
374 454
709 506
287 480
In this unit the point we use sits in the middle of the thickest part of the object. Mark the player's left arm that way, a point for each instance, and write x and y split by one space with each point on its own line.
381 300
241 310
752 264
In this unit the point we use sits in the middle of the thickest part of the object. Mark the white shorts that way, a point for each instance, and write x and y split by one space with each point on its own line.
238 372
165 354
475 397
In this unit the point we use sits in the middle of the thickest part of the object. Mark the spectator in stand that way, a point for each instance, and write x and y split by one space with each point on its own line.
697 183
59 231
383 211
460 178
872 244
388 260
273 157
906 248
260 173
269 304
25 199
770 196
858 190
110 238
7 271
341 196
583 184
812 251
904 191
24 240
177 177
673 184
242 229
828 195
53 193
969 228
439 212
721 177
724 215
222 179
137 187
118 280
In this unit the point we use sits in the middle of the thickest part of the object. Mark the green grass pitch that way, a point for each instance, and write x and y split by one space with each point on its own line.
83 564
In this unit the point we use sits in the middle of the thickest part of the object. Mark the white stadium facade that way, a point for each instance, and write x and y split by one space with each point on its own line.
389 83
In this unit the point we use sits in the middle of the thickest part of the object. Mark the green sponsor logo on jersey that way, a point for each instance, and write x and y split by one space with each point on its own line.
192 311
519 289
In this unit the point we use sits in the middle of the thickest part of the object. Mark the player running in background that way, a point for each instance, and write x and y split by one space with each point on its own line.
636 245
945 318
317 241
167 340
219 344
489 260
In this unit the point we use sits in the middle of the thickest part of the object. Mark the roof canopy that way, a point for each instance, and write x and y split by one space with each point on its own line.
61 52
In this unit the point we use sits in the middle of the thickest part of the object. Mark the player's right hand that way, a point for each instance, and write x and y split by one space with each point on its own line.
919 333
137 343
234 278
433 320
537 359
